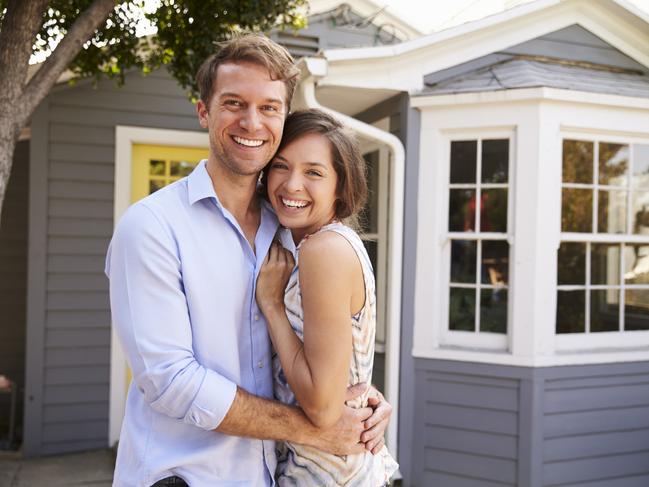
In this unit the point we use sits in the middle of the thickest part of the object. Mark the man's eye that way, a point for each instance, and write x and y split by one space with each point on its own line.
269 108
233 103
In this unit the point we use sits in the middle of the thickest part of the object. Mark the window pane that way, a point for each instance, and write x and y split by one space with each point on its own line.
368 217
463 261
576 210
156 167
493 215
636 309
636 264
461 314
181 168
605 310
464 161
493 310
495 262
461 210
640 166
605 264
495 161
570 311
613 164
371 248
571 263
640 212
577 161
156 184
611 212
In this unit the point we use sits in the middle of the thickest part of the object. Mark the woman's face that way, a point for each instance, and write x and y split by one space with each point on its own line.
302 185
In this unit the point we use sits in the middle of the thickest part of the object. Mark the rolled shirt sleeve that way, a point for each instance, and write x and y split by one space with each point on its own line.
151 318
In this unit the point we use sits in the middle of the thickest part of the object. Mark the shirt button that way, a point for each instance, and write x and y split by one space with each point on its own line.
260 364
256 317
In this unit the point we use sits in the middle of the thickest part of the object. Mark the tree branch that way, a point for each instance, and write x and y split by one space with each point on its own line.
78 34
21 23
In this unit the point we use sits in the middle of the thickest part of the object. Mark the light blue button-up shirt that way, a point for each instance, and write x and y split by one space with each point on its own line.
182 292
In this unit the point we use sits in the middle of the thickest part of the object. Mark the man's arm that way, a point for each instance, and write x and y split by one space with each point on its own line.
256 417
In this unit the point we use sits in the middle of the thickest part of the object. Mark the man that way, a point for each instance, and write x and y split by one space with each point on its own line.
183 264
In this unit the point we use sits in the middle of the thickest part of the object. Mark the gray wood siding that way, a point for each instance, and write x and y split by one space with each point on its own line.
13 277
467 431
80 154
596 427
483 425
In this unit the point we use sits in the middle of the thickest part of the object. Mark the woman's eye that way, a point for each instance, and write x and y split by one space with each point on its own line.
278 165
313 172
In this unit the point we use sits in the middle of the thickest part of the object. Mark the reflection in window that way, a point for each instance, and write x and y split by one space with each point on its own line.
164 172
478 222
603 280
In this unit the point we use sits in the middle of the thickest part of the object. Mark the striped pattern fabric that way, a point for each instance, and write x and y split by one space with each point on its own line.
300 465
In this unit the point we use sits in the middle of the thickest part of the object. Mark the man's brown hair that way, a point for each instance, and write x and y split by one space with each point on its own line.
252 48
351 190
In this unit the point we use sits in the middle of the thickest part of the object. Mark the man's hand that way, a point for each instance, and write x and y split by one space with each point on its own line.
375 425
344 438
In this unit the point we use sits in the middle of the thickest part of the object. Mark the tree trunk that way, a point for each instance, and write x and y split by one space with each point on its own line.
19 28
19 98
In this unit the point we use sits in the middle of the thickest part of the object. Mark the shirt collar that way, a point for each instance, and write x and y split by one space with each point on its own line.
199 185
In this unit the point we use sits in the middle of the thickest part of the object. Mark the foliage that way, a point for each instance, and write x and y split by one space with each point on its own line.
187 32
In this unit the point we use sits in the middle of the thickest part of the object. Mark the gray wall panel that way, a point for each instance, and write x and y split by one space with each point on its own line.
13 280
584 426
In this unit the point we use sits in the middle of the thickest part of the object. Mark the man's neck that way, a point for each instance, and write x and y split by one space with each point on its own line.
238 195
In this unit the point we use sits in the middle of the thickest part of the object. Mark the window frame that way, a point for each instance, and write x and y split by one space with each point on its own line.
486 341
588 341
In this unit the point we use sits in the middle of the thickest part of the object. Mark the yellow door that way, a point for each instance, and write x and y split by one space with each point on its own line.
155 166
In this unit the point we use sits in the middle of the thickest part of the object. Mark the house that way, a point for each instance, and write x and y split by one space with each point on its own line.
517 262
72 177
509 159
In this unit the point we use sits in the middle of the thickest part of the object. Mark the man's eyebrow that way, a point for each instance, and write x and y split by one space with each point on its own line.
229 94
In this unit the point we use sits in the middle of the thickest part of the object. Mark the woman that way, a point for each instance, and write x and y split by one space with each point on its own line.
323 322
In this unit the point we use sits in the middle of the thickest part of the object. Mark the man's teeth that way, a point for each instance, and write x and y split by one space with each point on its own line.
295 203
248 142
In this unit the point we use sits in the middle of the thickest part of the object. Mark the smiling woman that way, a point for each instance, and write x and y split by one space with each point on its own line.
321 317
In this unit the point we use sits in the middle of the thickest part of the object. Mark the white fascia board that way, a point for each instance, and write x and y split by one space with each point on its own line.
403 66
529 94
363 53
404 71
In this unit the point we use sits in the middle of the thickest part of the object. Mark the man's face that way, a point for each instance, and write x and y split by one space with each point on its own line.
245 117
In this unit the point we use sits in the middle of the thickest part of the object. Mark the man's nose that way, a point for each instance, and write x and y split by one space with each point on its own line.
251 120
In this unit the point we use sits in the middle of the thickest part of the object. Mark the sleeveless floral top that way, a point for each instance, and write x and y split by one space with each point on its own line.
300 465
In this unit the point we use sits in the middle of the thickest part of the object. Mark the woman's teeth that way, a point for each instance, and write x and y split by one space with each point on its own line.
248 142
294 203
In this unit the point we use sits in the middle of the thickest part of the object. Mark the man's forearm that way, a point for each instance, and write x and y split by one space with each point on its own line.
265 419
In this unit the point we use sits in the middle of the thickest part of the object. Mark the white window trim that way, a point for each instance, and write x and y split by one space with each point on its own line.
382 230
125 137
618 341
476 340
541 117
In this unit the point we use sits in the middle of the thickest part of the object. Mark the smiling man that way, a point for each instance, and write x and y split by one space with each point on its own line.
183 264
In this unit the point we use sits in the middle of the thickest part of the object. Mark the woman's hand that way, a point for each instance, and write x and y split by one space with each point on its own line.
273 278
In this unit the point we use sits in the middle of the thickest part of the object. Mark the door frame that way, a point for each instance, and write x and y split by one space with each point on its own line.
125 137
